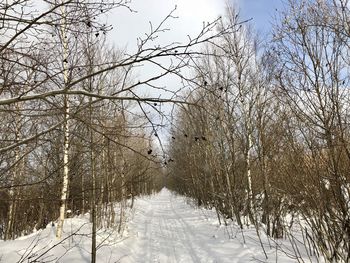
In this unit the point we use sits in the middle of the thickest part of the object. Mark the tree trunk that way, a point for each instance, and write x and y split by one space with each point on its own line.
122 201
65 128
249 178
93 193
65 170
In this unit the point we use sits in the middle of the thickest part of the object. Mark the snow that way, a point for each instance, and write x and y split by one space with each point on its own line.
161 228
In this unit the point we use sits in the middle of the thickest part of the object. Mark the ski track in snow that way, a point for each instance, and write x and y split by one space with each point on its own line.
172 231
168 237
162 228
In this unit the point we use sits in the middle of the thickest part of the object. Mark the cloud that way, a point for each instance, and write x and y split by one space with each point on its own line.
191 15
130 26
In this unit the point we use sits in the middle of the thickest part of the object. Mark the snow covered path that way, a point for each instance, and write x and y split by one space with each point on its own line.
163 228
169 233
169 230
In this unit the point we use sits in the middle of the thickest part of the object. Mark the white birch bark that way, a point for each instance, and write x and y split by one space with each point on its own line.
64 192
249 176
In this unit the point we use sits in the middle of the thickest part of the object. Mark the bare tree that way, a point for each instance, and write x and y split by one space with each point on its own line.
313 80
79 109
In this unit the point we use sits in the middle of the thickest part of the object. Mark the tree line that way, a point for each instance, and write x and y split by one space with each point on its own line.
266 141
78 131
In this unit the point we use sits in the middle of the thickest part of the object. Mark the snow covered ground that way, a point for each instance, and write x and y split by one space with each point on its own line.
161 228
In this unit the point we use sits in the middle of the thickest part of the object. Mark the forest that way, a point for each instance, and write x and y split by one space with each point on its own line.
258 128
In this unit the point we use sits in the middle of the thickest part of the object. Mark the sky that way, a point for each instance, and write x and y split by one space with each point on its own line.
191 15
262 13
128 26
